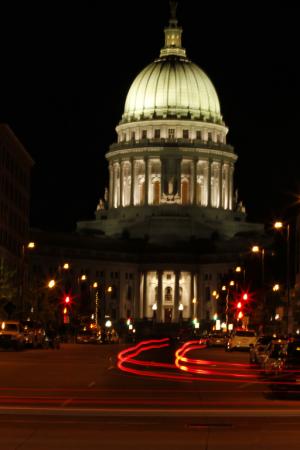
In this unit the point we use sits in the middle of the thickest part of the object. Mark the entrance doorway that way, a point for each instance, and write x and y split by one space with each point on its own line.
168 315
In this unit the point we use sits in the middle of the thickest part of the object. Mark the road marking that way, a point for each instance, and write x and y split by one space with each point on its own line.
139 412
92 383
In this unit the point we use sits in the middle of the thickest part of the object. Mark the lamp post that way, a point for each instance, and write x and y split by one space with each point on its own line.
261 250
154 309
29 246
278 225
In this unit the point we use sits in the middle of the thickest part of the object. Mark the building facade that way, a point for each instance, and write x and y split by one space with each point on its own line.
15 168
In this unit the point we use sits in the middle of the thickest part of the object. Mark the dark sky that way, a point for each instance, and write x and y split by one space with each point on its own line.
66 68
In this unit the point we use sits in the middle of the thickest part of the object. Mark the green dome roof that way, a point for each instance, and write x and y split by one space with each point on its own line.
172 86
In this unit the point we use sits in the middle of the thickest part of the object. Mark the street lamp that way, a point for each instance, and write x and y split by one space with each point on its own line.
154 309
278 225
29 246
180 308
261 250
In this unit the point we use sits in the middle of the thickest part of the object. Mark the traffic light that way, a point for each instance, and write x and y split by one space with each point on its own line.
245 296
67 299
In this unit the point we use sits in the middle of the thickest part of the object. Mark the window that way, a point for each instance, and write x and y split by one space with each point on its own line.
209 136
144 134
156 134
133 135
198 135
168 276
171 133
185 134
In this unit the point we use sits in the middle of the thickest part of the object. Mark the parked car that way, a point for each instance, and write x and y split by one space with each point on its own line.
241 339
258 350
272 357
12 335
216 339
287 367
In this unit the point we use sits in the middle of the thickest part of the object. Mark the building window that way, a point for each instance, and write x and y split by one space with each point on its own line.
209 137
171 133
144 134
198 135
168 276
185 134
156 134
133 135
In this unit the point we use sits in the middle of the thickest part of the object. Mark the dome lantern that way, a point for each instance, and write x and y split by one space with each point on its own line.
173 36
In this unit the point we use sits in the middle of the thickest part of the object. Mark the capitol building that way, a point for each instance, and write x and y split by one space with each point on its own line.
170 224
171 187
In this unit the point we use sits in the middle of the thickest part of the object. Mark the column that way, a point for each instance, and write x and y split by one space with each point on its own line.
159 297
195 181
196 296
121 182
209 184
114 186
111 184
192 294
145 295
230 186
220 183
132 182
147 164
176 296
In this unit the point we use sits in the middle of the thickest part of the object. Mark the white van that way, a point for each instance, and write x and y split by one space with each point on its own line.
241 339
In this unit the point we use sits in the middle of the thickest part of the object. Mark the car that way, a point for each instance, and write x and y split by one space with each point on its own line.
241 339
12 335
216 339
272 357
88 335
34 334
257 350
286 368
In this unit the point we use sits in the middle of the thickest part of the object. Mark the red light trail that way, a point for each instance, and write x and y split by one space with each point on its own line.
194 369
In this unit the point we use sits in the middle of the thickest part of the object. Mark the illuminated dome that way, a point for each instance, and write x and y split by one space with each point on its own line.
172 86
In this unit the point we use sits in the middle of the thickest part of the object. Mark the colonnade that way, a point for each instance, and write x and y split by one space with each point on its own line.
152 181
167 295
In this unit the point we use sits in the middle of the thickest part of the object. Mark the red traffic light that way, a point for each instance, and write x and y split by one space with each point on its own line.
239 305
67 299
245 296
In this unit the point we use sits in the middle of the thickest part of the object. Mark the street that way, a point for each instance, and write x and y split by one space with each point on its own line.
76 396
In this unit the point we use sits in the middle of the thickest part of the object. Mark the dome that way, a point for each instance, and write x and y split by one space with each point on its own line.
172 86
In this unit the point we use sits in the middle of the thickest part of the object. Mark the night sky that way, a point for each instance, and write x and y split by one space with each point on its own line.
66 68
